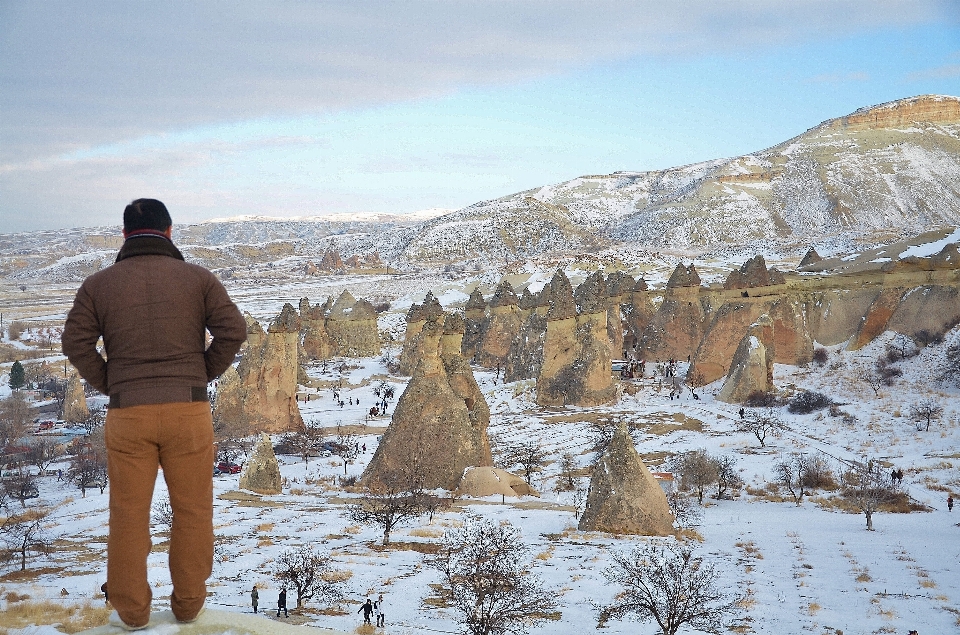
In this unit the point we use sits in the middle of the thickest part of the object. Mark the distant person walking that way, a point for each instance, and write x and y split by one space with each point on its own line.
282 603
367 610
380 608
254 598
949 503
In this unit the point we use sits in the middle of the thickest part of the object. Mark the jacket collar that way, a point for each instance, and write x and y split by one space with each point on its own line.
148 245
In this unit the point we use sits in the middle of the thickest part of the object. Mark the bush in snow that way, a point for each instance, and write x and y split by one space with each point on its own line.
808 401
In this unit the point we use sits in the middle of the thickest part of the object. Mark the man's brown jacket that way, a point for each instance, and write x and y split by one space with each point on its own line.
152 310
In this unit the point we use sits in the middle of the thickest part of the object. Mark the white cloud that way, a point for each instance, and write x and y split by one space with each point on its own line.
76 74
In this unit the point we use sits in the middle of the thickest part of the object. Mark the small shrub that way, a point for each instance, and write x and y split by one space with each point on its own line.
820 356
760 399
808 401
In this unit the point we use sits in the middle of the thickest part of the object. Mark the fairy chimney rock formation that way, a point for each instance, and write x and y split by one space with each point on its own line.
752 367
753 273
268 374
417 316
261 474
502 323
576 369
684 276
624 498
75 402
315 341
811 258
438 427
352 326
473 313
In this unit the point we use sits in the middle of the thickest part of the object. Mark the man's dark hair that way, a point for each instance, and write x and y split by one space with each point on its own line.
146 213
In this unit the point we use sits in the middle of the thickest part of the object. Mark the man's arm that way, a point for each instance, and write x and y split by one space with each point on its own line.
226 325
79 341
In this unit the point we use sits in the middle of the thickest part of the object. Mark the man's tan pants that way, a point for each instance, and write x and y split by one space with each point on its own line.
179 438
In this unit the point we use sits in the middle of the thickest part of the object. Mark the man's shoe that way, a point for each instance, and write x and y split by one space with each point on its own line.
116 621
195 617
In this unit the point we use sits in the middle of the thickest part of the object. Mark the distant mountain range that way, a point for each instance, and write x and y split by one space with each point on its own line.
881 173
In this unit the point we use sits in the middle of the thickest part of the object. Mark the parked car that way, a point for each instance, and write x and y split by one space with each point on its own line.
227 467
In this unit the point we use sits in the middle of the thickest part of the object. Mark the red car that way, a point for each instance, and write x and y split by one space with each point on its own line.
228 468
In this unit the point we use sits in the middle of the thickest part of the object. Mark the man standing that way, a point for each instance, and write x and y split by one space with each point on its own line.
254 598
367 609
282 603
153 311
380 608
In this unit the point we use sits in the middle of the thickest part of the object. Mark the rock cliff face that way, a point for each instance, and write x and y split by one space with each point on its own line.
75 402
753 273
576 367
752 367
316 341
267 388
624 498
678 326
439 423
261 474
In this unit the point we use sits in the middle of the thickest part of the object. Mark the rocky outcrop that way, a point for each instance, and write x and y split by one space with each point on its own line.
268 372
624 498
638 313
417 316
438 427
576 367
501 324
752 367
261 474
480 482
753 273
352 326
619 293
75 402
809 259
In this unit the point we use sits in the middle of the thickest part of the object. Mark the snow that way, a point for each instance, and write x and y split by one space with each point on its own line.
929 249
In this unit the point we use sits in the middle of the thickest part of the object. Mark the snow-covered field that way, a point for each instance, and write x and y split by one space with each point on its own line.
806 569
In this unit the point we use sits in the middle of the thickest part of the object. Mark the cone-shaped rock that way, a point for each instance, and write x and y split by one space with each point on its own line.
352 325
75 402
752 367
500 326
417 316
811 258
473 313
432 427
624 498
262 473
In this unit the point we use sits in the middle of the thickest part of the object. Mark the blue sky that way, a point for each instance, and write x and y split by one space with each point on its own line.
351 108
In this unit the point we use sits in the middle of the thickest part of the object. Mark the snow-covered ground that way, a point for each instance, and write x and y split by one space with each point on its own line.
806 569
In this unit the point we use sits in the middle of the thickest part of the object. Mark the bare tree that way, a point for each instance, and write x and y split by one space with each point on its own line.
761 424
868 486
901 347
528 455
309 573
790 473
668 585
23 534
696 469
695 380
15 416
230 436
685 513
42 453
22 486
485 576
305 442
567 478
925 411
727 475
395 498
162 514
347 447
951 364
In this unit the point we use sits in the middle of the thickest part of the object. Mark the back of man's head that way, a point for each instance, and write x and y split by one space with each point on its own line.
146 213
